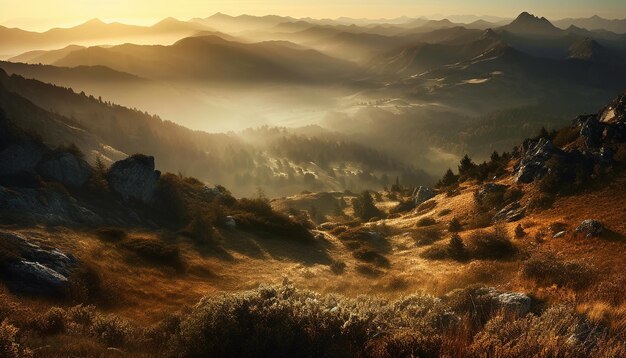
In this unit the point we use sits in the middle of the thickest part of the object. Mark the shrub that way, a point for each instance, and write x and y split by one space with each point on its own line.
112 234
364 207
427 236
337 267
281 321
154 250
444 212
52 322
455 225
403 207
87 284
547 270
427 221
112 330
558 332
479 220
494 244
541 201
370 256
436 252
456 247
10 346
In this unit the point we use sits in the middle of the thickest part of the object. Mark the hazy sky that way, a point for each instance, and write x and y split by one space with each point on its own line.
43 14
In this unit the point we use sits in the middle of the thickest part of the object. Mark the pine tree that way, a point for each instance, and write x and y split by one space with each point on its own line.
456 247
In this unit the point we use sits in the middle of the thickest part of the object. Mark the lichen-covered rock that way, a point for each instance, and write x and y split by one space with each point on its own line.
134 178
423 193
532 166
514 302
66 168
590 228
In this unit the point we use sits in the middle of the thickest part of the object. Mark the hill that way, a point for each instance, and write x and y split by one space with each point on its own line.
211 57
275 163
532 238
15 41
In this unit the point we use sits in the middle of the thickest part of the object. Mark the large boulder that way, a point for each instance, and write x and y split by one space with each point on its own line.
36 270
535 153
134 178
590 228
65 168
423 193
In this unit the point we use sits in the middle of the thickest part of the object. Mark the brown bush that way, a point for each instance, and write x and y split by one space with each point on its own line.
547 270
111 234
492 244
427 221
337 267
427 236
153 250
370 256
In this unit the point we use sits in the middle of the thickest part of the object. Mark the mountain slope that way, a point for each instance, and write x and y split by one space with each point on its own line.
211 57
94 31
594 23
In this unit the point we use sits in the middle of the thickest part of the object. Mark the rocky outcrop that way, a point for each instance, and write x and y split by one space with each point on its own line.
44 206
534 154
615 112
423 193
134 178
512 212
65 168
36 270
590 228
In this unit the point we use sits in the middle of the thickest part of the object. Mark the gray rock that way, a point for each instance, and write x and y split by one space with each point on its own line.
532 163
590 228
20 158
134 178
423 193
558 234
66 168
512 302
44 206
230 222
34 278
37 270
516 302
512 212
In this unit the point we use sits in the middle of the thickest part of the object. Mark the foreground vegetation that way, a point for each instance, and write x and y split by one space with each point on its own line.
283 321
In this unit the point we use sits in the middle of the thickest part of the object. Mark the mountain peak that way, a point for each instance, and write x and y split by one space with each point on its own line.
94 21
527 23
